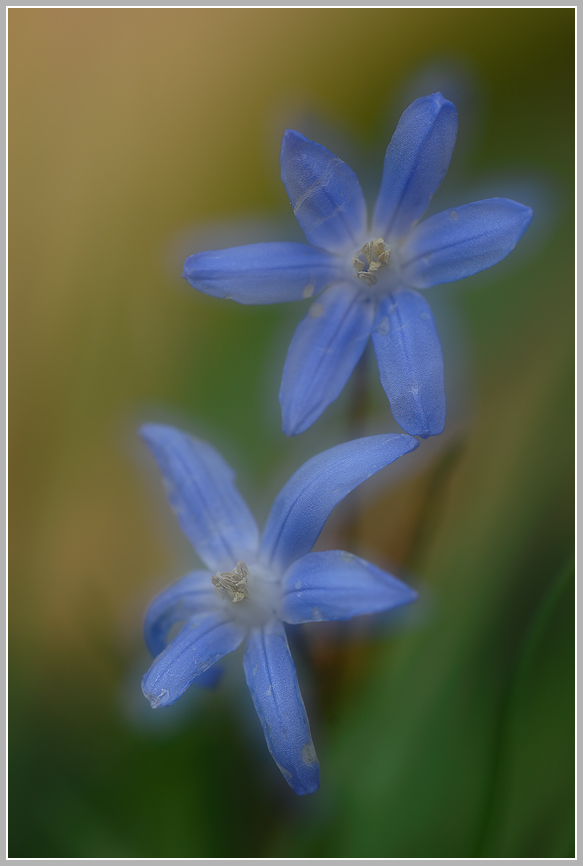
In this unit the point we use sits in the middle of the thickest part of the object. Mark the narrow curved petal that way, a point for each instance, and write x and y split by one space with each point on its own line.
303 505
416 162
324 192
323 353
338 585
192 594
410 362
458 243
202 642
202 492
270 273
271 677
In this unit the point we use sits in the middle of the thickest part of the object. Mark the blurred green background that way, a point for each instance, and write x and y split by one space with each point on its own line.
136 137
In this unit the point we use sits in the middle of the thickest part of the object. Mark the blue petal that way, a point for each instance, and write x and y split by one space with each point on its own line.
201 489
272 681
203 641
262 273
191 594
410 362
323 353
303 505
458 243
337 585
416 162
324 192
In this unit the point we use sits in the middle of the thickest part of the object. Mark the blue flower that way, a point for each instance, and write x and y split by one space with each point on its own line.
253 584
368 275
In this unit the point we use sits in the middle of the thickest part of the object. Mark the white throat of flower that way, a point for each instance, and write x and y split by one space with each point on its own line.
373 256
232 585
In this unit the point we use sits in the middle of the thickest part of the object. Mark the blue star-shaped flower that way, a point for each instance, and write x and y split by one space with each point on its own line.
255 584
369 274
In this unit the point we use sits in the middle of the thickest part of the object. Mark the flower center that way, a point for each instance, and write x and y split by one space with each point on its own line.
232 585
373 256
249 593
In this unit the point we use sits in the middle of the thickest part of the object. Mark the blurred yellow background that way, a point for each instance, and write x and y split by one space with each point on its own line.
131 132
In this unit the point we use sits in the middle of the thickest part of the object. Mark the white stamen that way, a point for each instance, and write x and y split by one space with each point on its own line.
232 585
368 260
